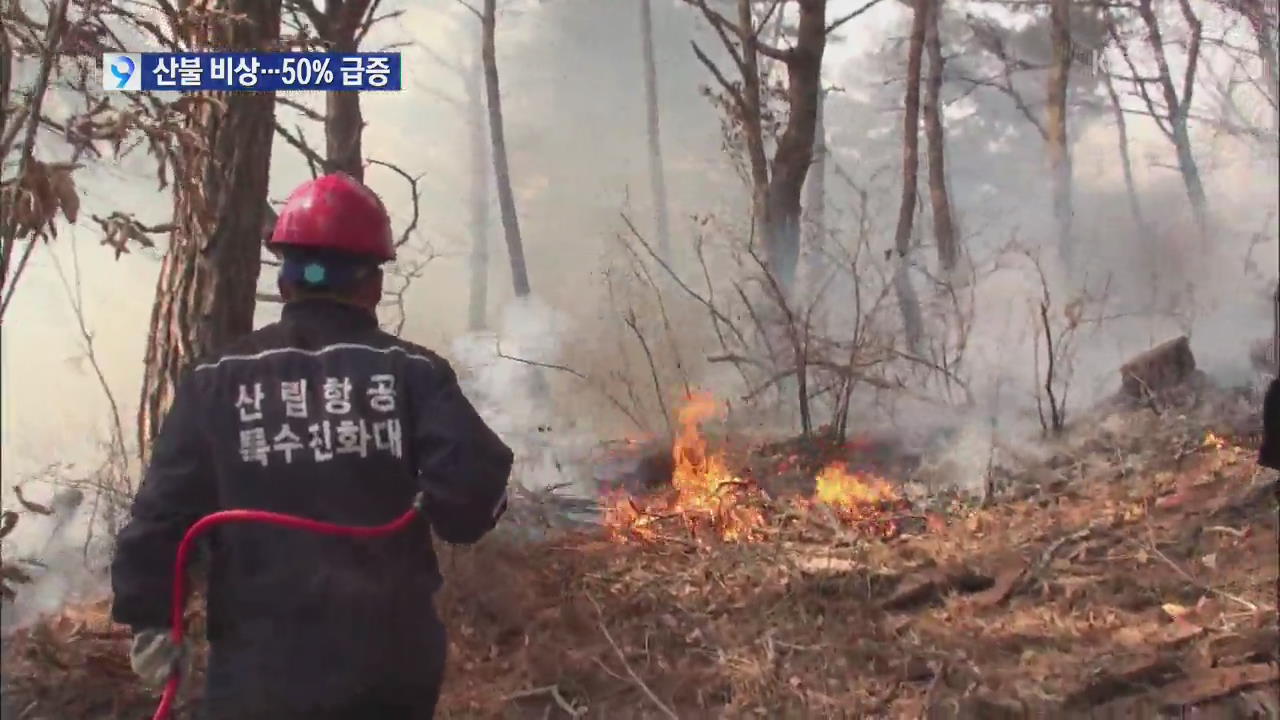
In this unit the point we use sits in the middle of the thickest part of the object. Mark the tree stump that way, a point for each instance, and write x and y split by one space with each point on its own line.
1161 368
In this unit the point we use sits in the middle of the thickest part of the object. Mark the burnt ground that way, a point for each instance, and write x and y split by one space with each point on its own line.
1130 573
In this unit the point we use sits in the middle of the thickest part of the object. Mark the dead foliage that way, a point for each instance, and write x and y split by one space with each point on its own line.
1147 590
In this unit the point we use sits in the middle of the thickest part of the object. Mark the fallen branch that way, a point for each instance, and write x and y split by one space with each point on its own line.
1151 547
627 666
554 692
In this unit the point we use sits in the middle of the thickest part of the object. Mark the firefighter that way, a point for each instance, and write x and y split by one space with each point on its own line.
321 415
1269 453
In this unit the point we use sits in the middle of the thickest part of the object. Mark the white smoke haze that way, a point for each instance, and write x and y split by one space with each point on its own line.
575 129
65 562
499 371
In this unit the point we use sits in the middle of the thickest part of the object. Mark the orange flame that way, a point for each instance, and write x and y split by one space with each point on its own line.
845 490
857 498
1212 440
705 492
706 496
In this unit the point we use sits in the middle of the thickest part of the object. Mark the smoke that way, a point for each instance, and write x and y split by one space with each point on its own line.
65 562
505 375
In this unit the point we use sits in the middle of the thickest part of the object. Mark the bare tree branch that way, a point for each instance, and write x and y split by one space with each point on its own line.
634 324
679 282
317 18
728 87
747 36
450 65
593 384
12 282
471 8
764 21
315 161
835 25
721 25
1193 52
372 18
1161 119
1018 101
76 301
309 113
413 189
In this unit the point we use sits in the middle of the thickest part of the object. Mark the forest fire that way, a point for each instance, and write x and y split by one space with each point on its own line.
707 497
704 494
857 498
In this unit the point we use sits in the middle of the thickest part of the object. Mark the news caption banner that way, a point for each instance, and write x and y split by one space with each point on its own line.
250 72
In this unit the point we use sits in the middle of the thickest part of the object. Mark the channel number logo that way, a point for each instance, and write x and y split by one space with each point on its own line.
121 71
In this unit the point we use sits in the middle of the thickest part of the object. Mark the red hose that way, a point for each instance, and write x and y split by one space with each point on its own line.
271 518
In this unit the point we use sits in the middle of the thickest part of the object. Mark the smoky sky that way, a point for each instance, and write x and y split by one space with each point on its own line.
575 118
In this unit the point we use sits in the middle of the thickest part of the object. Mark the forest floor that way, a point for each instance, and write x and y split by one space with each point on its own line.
1130 572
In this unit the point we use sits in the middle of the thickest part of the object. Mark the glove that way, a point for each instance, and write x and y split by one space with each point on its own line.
154 656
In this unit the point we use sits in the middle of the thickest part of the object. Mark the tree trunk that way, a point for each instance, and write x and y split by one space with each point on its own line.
1057 144
816 203
752 128
794 153
478 303
912 321
657 172
1179 109
205 292
1126 163
343 123
943 224
502 174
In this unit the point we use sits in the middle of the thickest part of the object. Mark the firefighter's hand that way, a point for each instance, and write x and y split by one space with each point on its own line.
154 656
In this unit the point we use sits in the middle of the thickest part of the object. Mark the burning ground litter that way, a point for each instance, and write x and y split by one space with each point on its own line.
1139 577
707 498
1130 572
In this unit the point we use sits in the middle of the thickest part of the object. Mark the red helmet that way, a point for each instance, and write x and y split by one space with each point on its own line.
335 212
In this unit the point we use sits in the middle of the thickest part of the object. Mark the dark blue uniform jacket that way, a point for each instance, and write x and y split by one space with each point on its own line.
321 415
